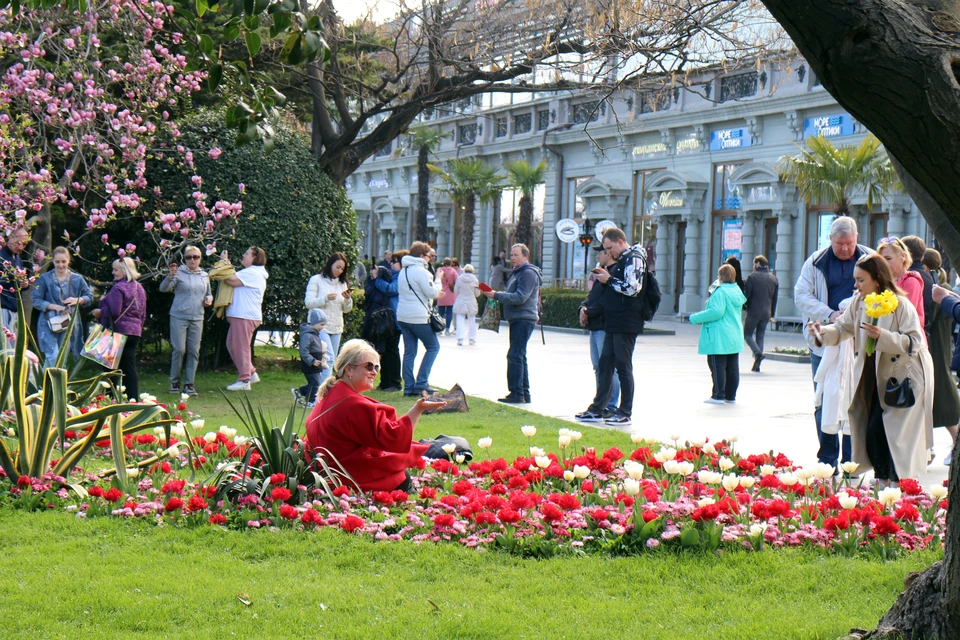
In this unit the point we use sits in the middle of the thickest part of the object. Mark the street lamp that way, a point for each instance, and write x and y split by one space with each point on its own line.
586 239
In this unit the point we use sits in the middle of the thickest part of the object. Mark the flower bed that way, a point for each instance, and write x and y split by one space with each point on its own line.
699 495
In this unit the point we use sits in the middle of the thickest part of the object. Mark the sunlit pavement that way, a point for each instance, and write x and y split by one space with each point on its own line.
774 408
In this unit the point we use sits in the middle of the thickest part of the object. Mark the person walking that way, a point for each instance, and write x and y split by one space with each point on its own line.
721 337
826 279
892 440
191 293
623 322
447 275
910 282
417 290
12 252
591 317
58 293
498 275
329 291
314 358
124 310
245 314
918 249
761 289
519 302
946 400
382 294
465 308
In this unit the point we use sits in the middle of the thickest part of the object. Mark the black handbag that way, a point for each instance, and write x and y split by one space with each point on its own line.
899 394
434 319
436 451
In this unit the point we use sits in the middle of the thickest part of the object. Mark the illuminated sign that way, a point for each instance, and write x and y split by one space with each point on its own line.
725 139
828 126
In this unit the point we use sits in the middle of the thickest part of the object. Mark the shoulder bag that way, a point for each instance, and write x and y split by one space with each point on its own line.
899 394
60 320
434 319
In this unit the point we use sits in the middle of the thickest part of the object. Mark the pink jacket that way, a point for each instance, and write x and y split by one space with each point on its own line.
912 285
448 278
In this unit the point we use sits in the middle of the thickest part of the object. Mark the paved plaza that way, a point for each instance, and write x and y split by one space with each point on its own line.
774 409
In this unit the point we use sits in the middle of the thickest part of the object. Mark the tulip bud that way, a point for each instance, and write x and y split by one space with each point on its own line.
731 482
569 476
449 448
196 425
580 471
564 441
528 430
726 464
132 472
460 458
849 467
747 482
543 461
184 397
631 487
484 443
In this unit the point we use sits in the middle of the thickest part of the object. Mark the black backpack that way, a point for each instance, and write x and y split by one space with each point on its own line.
649 296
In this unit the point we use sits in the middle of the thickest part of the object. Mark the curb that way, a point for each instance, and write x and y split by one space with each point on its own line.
787 357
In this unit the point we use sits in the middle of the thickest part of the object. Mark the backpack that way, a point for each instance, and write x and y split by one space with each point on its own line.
650 296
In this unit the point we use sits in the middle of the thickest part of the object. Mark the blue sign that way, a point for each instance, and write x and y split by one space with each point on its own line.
725 139
828 126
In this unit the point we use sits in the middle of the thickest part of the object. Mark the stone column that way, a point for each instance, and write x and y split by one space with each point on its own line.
690 300
785 241
666 239
748 247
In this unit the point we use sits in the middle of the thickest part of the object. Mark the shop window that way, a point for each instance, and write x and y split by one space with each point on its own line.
644 205
769 242
726 196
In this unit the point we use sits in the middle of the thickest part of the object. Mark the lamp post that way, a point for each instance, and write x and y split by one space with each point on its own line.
586 239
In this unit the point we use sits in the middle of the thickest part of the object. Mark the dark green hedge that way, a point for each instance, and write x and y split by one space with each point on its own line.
561 307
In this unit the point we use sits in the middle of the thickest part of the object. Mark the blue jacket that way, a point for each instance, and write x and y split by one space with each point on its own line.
951 306
387 287
47 290
522 294
8 299
722 331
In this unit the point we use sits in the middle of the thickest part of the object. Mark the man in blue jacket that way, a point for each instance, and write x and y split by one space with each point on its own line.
10 260
950 303
520 311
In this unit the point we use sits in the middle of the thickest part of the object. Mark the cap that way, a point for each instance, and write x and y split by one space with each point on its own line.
316 316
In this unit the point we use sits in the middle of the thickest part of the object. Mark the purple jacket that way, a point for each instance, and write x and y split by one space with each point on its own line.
124 308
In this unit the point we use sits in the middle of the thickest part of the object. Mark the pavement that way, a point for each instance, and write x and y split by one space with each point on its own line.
773 412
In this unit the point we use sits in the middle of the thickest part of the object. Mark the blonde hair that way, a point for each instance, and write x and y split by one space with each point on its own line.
468 268
351 352
898 248
129 268
62 251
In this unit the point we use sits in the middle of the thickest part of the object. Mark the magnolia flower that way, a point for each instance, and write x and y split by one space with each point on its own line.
569 475
938 492
542 461
460 458
849 467
537 451
449 448
747 482
240 440
631 487
757 529
731 482
824 470
846 500
889 496
767 469
484 443
709 448
637 438
726 464
633 469
528 430
580 472
706 502
210 436
564 441
196 425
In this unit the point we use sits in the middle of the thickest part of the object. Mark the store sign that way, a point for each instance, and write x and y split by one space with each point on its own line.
601 227
649 149
688 145
567 230
378 183
828 126
669 200
732 237
725 139
759 195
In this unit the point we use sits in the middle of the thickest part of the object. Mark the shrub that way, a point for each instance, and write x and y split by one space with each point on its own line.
561 307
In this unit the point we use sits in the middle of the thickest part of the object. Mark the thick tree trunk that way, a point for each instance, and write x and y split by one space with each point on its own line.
525 221
466 232
895 66
423 192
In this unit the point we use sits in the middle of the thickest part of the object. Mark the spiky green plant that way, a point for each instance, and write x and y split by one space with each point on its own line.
469 181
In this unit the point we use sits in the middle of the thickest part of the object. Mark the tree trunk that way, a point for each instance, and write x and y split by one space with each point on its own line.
466 231
525 220
895 66
423 192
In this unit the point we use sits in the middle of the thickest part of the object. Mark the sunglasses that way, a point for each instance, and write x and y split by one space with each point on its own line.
892 240
371 367
193 257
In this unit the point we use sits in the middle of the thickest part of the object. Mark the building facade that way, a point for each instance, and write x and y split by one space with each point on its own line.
689 172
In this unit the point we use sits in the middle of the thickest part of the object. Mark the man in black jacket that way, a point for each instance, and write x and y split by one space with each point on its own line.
917 247
591 317
761 289
622 321
11 261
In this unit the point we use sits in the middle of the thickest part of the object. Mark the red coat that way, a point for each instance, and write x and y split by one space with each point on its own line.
912 285
365 436
448 278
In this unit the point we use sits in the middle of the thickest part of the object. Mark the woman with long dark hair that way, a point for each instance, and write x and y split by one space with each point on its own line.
329 291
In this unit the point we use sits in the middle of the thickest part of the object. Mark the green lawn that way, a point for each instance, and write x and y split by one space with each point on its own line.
102 578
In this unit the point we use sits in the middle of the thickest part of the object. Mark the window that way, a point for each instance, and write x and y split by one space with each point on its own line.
739 86
653 101
501 127
543 120
644 205
506 220
384 151
522 123
586 112
468 133
574 260
726 196
769 242
878 228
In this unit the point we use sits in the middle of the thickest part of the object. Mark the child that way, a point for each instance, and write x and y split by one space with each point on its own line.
314 357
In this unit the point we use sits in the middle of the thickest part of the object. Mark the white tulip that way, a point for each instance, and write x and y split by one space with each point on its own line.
674 437
184 397
528 430
537 451
240 440
230 433
580 471
747 482
564 441
757 529
726 464
708 477
803 474
938 492
564 432
665 454
210 436
731 482
824 470
705 502
633 469
197 424
133 472
699 442
889 496
733 439
846 500
543 461
686 468
178 431
460 458
631 487
849 467
575 435
788 479
709 448
223 429
484 443
807 482
172 452
637 438
158 431
569 476
767 470
449 448
672 467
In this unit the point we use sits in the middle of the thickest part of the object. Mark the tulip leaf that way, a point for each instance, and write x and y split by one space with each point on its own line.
690 538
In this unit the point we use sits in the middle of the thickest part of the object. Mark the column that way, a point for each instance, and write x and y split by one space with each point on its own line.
552 258
690 301
666 240
482 240
748 247
785 241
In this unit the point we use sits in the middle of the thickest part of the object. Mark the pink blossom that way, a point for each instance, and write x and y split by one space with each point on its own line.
215 153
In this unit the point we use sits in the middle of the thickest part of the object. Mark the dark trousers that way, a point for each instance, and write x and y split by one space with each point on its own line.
309 391
518 377
127 364
829 449
447 314
725 370
754 330
616 355
390 363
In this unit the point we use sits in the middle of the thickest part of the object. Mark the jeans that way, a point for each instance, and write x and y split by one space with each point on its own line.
413 333
184 341
755 327
518 376
615 355
333 341
829 442
309 391
596 345
447 314
50 342
326 372
725 370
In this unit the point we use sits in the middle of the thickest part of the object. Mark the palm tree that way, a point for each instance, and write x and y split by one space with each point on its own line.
828 174
522 176
469 181
426 140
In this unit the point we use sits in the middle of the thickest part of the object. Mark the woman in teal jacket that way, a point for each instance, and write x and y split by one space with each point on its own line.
721 338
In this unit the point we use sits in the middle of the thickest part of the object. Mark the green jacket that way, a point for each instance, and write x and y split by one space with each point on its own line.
722 331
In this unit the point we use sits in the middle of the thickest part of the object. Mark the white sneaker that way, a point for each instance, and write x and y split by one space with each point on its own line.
239 385
473 342
459 343
713 401
254 379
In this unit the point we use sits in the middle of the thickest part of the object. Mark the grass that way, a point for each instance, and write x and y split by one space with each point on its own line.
102 578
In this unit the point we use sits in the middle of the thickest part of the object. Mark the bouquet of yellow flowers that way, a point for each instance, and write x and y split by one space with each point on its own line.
878 306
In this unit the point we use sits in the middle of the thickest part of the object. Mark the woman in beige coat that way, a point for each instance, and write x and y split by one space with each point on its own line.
891 441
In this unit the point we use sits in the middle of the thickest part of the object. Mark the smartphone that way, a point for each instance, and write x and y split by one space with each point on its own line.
483 286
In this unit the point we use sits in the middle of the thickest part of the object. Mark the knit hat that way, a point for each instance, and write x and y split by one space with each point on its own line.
316 316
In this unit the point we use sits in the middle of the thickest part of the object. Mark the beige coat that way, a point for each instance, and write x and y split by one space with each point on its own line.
909 431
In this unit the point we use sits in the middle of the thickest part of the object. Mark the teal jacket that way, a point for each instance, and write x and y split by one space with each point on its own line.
722 331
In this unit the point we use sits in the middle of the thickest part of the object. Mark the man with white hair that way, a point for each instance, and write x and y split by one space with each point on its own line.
826 279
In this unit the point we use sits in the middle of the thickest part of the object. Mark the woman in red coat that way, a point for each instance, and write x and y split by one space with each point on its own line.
365 436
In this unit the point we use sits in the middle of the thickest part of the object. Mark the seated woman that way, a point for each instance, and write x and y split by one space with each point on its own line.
365 436
893 441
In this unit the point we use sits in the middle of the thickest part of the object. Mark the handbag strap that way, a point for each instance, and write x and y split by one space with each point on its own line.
414 290
113 321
